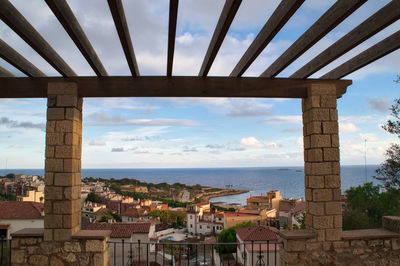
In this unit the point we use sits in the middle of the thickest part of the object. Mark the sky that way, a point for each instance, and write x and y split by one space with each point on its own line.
197 132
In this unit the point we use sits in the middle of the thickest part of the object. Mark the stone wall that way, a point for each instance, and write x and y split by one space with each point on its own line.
85 248
356 247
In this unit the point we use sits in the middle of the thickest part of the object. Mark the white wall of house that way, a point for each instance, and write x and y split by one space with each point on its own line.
192 220
19 224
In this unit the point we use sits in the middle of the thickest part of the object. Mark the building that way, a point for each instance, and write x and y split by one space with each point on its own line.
290 212
256 216
194 214
32 195
16 215
263 251
93 211
133 215
269 201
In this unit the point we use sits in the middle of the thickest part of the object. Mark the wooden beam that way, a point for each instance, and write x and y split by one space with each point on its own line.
373 53
11 16
4 73
151 86
381 19
278 19
18 61
173 15
328 21
224 22
118 14
71 25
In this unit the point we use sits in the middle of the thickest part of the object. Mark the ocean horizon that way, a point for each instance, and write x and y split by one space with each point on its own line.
289 180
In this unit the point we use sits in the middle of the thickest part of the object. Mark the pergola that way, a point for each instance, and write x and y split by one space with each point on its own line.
64 113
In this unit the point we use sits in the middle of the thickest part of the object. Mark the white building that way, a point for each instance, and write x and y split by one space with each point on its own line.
200 219
17 215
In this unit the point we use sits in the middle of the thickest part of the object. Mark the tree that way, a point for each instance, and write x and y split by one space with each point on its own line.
92 197
229 236
389 171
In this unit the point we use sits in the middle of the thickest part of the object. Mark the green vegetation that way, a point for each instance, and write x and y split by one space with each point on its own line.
5 255
366 206
92 197
229 236
301 219
175 218
214 207
8 197
110 215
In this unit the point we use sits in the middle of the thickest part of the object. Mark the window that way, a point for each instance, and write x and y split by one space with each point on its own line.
191 226
208 226
200 226
191 216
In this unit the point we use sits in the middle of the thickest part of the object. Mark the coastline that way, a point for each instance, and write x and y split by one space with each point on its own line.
223 193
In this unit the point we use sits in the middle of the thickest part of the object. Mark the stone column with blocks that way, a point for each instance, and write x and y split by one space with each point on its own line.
322 168
63 162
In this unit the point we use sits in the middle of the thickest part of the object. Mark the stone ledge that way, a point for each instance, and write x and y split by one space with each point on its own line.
92 234
391 223
369 234
29 232
297 234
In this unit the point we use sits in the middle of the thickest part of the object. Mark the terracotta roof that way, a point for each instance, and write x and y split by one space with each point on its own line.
233 214
102 211
122 230
257 233
21 210
134 212
300 207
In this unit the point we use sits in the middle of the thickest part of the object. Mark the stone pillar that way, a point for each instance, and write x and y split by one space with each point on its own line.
322 168
63 162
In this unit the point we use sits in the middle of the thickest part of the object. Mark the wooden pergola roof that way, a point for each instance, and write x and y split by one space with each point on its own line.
234 85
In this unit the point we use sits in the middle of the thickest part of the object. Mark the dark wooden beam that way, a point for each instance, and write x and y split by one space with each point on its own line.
11 16
373 53
381 19
151 86
18 61
71 25
4 73
118 14
335 15
278 19
224 22
173 15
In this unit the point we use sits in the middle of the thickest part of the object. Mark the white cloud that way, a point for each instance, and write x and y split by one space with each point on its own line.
97 143
347 127
368 137
255 143
292 119
381 104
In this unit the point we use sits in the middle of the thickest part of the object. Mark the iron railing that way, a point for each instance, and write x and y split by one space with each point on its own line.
5 251
258 253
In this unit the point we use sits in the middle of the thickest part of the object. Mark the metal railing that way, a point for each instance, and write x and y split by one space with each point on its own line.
199 253
5 251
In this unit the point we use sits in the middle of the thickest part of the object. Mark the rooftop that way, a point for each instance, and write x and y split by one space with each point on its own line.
122 230
21 210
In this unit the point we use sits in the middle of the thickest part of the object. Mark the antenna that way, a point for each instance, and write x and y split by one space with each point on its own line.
365 158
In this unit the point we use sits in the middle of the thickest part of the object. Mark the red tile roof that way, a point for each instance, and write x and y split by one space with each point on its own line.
21 210
122 230
299 208
257 233
133 212
233 214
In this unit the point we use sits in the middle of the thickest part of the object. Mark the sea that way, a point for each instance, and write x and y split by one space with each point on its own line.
258 180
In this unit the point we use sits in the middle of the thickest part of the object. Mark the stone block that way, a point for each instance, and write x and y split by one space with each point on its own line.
72 193
322 194
309 220
32 250
291 257
316 208
62 207
332 181
15 243
70 221
48 207
328 101
314 127
311 102
72 165
62 234
338 221
341 244
48 235
323 222
375 243
307 142
49 178
313 246
73 114
68 257
67 100
72 247
335 168
64 152
54 261
64 126
64 179
38 260
53 221
18 257
395 244
321 89
316 181
308 194
54 165
332 208
333 114
330 127
308 168
72 139
336 194
295 245
391 223
55 113
95 246
327 245
50 126
51 100
335 141
314 155
333 234
320 141
358 243
320 234
54 139
323 168
49 151
319 114
52 193
65 88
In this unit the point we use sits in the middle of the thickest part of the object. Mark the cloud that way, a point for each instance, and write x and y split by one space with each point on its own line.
347 127
189 149
214 146
102 119
379 104
136 138
97 143
119 149
368 137
292 119
14 124
236 149
246 108
255 143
